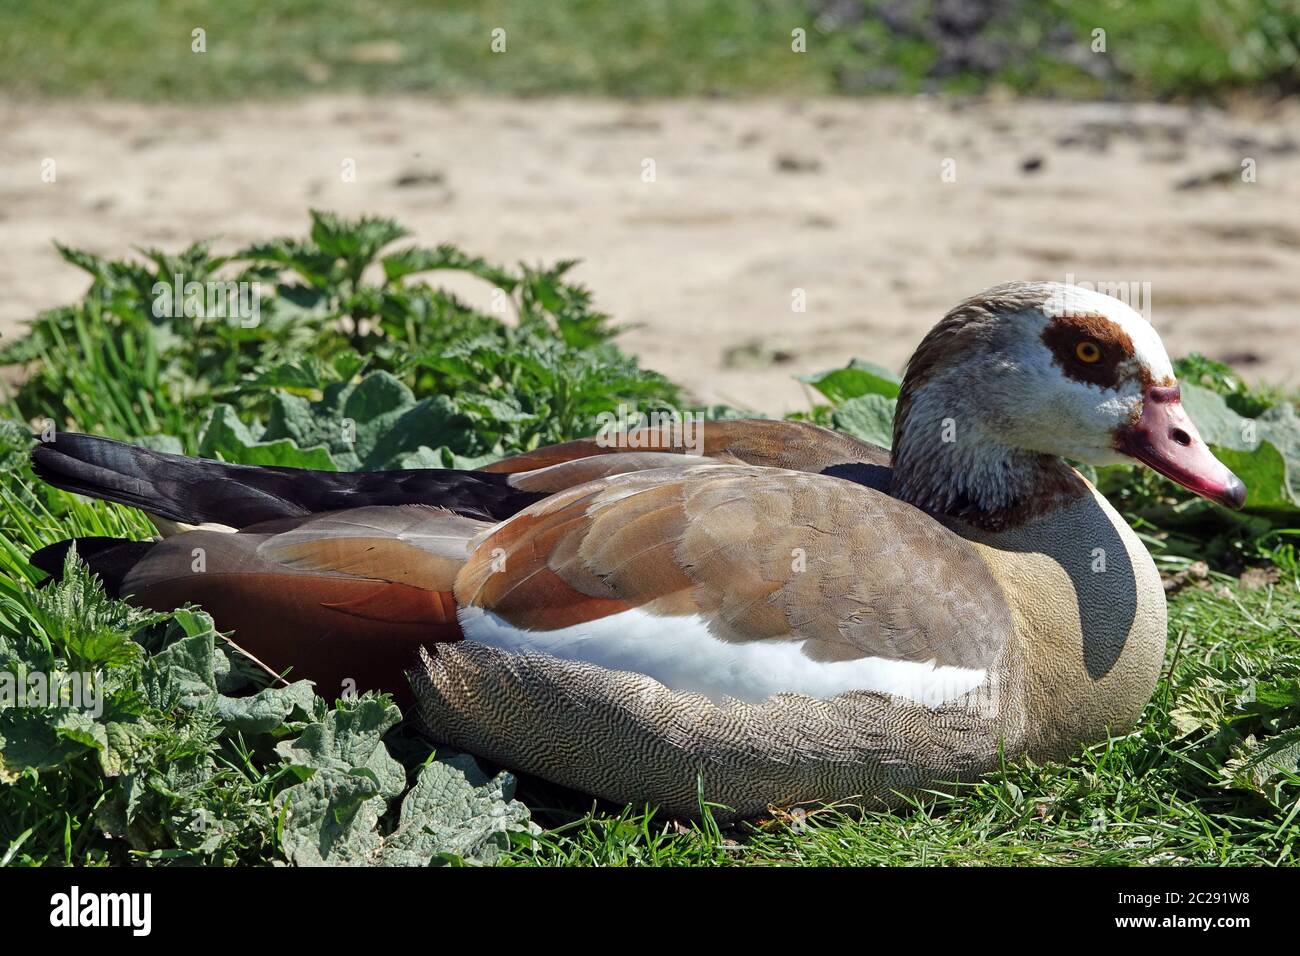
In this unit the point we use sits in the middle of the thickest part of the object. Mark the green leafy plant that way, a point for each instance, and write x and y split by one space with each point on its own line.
189 755
136 359
194 756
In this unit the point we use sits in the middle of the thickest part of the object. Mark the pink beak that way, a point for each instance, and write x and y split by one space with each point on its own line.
1165 439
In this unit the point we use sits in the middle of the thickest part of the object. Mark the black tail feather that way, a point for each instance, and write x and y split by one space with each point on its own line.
102 468
198 490
108 558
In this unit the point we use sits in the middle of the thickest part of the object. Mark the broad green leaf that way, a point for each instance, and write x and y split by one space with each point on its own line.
167 444
193 622
444 457
1280 425
455 809
42 738
1217 423
124 743
185 669
331 819
225 437
350 739
1264 471
371 424
869 417
267 710
857 379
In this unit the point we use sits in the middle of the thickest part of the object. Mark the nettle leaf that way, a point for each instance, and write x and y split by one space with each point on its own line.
857 379
1198 370
99 646
868 417
309 262
301 304
225 437
88 262
80 727
407 262
1256 764
455 809
1276 695
502 411
355 240
1248 694
82 623
306 376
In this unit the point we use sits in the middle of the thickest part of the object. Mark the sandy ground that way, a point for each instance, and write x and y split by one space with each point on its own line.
845 200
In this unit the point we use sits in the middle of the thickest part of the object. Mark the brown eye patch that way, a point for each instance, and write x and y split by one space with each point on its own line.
1088 348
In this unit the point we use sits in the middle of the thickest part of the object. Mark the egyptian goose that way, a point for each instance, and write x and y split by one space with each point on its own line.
790 615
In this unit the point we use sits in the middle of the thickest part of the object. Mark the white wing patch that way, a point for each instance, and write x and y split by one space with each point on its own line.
681 654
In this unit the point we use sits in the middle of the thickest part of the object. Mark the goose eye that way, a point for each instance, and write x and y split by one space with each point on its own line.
1087 352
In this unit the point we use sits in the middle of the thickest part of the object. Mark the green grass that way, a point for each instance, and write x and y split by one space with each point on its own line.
141 49
198 758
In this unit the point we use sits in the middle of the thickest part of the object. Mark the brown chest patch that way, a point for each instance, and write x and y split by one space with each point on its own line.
1088 348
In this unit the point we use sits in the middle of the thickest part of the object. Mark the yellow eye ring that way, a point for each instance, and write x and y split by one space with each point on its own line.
1087 352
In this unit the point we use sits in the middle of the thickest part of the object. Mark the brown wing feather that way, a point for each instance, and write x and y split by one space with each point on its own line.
796 446
304 624
760 553
346 595
516 570
411 544
570 474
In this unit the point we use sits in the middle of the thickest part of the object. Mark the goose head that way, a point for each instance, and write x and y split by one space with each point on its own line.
1015 380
